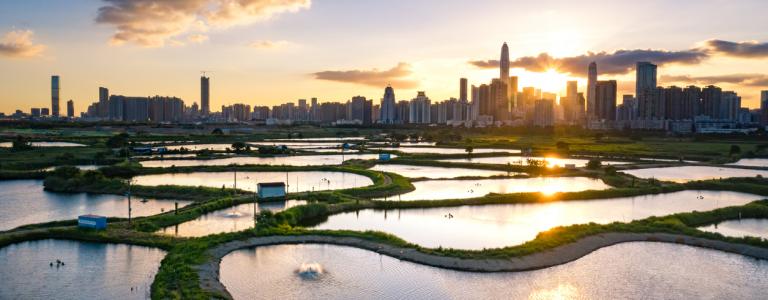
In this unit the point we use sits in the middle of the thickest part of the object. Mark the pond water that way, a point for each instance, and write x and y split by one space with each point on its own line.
44 144
440 150
90 270
298 181
523 160
24 202
237 218
752 162
460 189
295 160
740 228
690 173
436 172
332 139
501 225
81 167
197 147
639 270
301 145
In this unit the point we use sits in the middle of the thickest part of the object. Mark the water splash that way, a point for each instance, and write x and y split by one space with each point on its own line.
311 271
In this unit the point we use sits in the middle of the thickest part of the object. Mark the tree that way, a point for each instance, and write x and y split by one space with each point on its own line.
563 146
594 164
217 131
735 149
118 141
21 144
469 150
239 146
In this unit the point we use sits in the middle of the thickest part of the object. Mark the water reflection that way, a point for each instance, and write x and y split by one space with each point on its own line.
460 189
640 270
752 162
442 150
523 160
690 173
90 270
494 226
230 219
295 160
298 181
24 202
437 172
44 144
740 228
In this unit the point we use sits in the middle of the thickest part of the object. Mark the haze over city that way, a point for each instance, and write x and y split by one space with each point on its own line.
267 53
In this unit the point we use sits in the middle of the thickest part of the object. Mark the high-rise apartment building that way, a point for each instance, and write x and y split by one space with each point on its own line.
764 107
70 109
419 109
103 106
55 90
645 77
388 108
591 84
605 100
205 96
463 89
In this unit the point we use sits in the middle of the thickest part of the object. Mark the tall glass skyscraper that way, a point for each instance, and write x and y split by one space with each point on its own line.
55 95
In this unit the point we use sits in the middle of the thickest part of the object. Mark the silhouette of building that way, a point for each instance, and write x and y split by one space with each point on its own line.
55 90
387 109
591 84
205 96
70 109
764 107
103 104
419 109
605 100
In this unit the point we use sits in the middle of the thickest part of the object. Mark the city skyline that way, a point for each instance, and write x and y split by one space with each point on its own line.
335 68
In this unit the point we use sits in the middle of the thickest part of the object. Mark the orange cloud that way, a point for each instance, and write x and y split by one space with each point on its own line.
153 23
19 44
396 76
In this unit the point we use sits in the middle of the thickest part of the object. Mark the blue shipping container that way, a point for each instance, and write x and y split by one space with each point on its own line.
92 221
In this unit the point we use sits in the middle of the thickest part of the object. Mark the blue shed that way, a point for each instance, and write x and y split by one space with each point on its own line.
271 190
384 157
92 221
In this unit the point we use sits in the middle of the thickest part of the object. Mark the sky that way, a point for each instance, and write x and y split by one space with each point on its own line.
266 52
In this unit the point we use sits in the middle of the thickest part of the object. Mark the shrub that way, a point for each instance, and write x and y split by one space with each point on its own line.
594 164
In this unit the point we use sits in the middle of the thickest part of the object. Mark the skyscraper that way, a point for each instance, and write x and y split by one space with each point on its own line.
388 106
55 95
70 109
463 89
645 77
591 84
504 64
764 107
103 103
205 96
512 92
605 100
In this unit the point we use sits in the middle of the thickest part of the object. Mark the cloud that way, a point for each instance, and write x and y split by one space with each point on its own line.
748 49
618 62
270 45
755 80
153 23
18 43
396 76
197 38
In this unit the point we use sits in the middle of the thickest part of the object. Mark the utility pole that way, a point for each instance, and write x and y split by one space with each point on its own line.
129 201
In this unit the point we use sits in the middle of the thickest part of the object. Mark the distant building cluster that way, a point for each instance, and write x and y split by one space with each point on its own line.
499 102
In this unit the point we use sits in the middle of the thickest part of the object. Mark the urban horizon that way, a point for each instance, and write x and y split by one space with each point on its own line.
730 59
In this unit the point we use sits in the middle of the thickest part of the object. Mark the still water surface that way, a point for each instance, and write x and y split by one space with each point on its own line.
231 219
740 228
752 162
495 226
44 144
639 270
296 160
90 270
24 202
523 160
691 173
436 172
460 189
443 150
298 181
